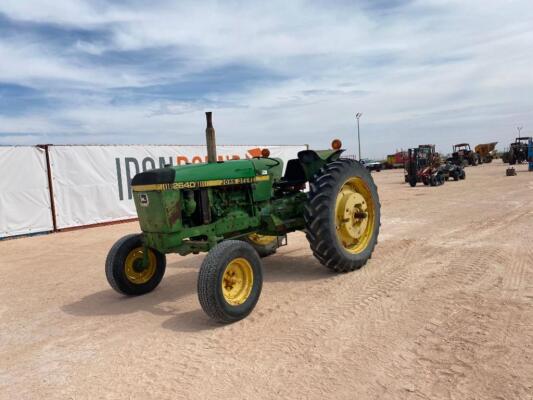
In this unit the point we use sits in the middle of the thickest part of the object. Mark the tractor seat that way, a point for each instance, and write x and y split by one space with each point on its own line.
294 175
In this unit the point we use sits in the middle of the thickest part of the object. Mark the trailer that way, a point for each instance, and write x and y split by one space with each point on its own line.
396 160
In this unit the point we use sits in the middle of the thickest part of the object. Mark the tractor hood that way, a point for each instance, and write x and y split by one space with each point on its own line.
227 170
222 170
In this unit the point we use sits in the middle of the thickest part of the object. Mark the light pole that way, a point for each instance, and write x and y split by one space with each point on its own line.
519 128
358 115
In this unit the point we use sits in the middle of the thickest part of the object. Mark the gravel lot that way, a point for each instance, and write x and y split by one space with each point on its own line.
444 309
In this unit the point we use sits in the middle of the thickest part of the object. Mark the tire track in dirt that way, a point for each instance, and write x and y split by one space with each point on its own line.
513 286
514 275
441 355
393 274
490 227
528 289
350 297
469 267
445 350
380 279
428 367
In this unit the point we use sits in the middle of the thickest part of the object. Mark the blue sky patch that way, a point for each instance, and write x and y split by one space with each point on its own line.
131 71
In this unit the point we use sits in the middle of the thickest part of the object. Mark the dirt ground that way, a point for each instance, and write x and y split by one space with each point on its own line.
443 310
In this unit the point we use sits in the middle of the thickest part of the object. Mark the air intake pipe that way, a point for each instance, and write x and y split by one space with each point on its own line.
210 139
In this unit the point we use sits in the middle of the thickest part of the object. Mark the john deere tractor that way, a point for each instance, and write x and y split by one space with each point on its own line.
239 211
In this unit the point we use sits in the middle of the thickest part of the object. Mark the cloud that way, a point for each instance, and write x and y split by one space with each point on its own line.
289 72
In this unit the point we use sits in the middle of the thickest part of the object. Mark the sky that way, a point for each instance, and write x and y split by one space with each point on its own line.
276 72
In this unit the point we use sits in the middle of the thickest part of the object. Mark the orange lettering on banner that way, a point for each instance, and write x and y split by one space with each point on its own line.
181 160
198 159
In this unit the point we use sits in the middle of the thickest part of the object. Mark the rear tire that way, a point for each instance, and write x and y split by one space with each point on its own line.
342 215
230 281
124 271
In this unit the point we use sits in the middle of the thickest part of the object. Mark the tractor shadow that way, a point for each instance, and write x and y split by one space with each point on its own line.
191 321
108 302
282 267
286 266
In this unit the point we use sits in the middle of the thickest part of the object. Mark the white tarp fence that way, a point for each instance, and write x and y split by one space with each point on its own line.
91 184
24 196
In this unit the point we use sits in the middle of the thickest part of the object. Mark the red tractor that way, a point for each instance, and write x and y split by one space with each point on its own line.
422 165
463 155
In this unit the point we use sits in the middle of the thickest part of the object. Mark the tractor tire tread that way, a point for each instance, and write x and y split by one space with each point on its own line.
320 198
208 279
114 267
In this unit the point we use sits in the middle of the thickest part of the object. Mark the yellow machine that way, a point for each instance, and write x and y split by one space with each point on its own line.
486 151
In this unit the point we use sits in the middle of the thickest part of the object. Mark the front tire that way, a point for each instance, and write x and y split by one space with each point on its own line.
342 215
124 266
230 281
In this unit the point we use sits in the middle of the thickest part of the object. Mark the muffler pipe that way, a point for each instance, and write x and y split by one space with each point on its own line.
210 139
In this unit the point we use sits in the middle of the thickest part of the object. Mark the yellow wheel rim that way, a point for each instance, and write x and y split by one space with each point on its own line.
135 273
237 281
354 215
262 240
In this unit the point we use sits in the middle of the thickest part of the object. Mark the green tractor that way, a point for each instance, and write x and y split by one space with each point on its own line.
240 210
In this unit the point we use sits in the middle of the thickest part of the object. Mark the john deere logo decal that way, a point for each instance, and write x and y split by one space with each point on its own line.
143 199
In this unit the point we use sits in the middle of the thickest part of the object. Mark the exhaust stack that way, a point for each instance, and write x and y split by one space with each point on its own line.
210 139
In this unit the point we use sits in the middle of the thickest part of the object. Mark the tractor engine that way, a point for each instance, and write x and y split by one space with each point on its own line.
186 208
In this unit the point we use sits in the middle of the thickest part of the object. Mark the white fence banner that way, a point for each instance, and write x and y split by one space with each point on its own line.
24 196
92 183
